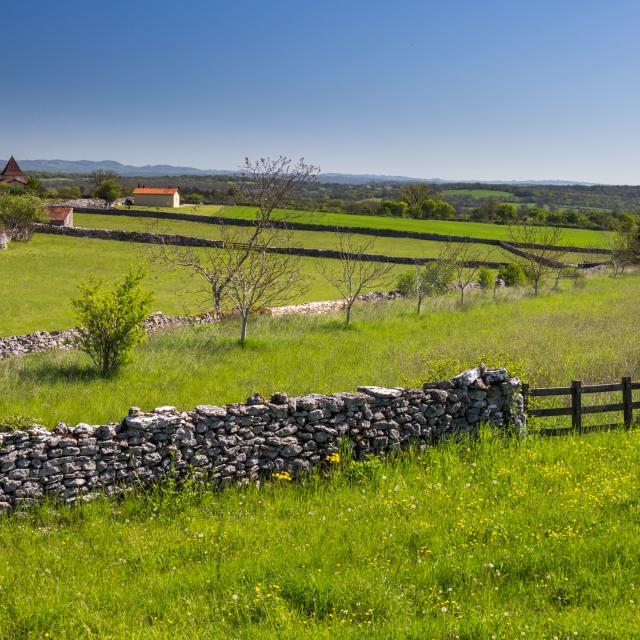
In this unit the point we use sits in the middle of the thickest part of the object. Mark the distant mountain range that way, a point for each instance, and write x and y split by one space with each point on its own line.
150 170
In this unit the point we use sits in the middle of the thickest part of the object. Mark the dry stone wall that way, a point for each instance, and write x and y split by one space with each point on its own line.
238 443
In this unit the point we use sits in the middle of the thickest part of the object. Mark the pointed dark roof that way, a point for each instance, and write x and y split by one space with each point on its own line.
12 172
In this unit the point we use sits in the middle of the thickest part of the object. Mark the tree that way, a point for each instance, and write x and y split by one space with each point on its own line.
111 321
464 260
506 212
269 184
417 192
429 280
512 275
355 274
261 278
624 248
101 175
539 251
109 191
19 214
395 208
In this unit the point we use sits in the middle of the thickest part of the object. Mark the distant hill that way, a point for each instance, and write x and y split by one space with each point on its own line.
151 170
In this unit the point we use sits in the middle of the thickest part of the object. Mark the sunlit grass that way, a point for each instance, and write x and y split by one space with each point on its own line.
480 539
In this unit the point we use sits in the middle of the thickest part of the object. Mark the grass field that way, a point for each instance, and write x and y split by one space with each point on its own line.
479 194
39 278
571 237
591 333
476 539
405 247
482 539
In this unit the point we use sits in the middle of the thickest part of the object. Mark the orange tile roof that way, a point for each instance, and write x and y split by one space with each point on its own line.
155 192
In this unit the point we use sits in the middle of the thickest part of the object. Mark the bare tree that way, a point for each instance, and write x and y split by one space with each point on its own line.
260 278
464 260
539 249
355 274
269 184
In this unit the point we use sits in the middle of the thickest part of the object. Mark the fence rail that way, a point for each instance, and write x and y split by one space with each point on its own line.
577 410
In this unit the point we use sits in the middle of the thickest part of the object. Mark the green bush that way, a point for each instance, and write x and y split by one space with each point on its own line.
111 321
513 275
406 284
19 213
485 278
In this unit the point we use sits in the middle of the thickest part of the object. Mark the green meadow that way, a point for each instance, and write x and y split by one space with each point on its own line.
548 340
570 237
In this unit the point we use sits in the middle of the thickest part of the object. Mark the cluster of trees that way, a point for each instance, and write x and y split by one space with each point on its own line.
19 212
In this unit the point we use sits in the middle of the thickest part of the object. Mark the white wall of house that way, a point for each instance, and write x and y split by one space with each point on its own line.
156 199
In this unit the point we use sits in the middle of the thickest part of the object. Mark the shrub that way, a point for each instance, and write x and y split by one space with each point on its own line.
19 214
485 278
111 321
406 284
513 275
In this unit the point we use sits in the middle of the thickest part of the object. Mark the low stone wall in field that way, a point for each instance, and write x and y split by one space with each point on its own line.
192 241
14 346
247 442
304 226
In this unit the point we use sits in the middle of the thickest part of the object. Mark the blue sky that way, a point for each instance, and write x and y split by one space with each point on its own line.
459 89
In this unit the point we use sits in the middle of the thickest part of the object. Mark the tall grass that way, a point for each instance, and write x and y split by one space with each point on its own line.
590 333
479 539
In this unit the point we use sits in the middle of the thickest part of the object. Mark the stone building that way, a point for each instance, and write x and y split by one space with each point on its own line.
147 197
60 215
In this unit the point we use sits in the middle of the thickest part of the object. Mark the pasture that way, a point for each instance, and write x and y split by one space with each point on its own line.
479 194
570 237
479 539
547 340
406 247
38 279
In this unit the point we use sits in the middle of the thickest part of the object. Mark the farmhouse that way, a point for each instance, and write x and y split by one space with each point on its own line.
156 197
12 173
60 216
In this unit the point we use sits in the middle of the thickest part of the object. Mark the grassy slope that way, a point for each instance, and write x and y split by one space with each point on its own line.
572 237
479 193
480 540
312 239
590 333
38 279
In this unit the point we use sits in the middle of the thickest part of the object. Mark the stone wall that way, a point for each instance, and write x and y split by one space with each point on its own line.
192 241
248 442
4 241
303 226
14 346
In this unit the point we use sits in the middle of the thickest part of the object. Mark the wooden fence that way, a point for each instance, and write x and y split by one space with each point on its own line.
577 410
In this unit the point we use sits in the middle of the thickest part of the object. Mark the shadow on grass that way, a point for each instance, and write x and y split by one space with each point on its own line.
51 372
332 326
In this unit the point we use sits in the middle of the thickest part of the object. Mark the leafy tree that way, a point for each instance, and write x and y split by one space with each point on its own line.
111 321
416 193
512 275
433 209
506 212
110 190
19 213
430 280
196 198
395 208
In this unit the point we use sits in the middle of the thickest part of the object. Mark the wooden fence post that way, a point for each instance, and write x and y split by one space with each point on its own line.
525 397
627 401
576 405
